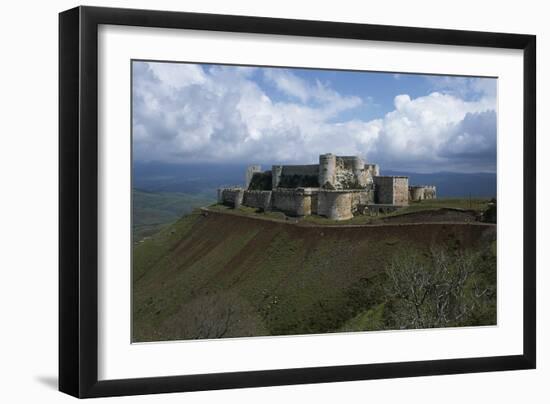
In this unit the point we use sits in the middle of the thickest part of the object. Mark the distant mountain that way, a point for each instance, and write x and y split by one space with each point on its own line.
448 185
186 178
204 179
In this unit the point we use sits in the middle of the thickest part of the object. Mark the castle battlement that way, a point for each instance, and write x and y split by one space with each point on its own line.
338 187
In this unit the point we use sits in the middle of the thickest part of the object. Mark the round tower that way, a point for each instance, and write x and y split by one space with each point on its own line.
327 169
358 167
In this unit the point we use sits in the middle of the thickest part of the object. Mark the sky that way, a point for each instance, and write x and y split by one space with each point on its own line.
199 113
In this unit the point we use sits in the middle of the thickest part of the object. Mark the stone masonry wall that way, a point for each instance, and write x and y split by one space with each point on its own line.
361 198
335 205
401 191
429 192
232 197
250 171
293 202
257 199
416 193
392 190
383 190
421 192
314 203
309 169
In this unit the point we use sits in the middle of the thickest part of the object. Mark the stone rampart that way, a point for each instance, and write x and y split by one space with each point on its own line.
294 202
416 193
257 199
401 191
335 205
430 192
422 192
308 169
231 196
392 190
250 171
384 190
361 199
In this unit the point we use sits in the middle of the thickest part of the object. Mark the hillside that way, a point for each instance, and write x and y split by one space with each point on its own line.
153 210
213 275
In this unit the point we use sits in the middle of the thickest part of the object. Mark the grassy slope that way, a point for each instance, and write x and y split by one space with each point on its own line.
474 205
276 278
154 210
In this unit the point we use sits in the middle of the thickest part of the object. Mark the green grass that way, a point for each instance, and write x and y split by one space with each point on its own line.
477 204
474 204
368 320
247 211
154 210
272 278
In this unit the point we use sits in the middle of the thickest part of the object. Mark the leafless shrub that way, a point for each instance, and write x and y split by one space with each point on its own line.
438 291
216 315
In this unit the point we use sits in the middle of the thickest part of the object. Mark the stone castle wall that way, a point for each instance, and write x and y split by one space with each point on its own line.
231 196
392 190
384 190
250 171
401 191
314 203
422 192
361 198
416 193
308 169
338 187
294 202
258 199
430 192
335 205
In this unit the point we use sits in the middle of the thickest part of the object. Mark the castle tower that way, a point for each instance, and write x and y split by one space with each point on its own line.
250 171
358 168
371 170
327 169
276 172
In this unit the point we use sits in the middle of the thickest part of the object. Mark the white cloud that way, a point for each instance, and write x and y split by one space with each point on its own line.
178 75
465 87
223 114
288 83
317 92
420 133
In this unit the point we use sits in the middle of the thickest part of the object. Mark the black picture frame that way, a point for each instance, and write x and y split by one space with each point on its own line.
78 201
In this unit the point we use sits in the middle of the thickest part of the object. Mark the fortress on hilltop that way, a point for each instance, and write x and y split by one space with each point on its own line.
339 187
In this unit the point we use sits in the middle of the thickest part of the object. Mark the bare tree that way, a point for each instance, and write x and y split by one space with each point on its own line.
435 291
215 315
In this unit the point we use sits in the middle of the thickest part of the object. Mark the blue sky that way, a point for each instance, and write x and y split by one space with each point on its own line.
197 113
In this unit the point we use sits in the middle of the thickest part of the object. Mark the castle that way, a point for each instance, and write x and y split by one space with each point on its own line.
338 188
